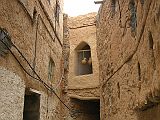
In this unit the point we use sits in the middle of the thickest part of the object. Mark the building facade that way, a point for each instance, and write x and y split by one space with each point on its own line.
128 52
33 29
82 88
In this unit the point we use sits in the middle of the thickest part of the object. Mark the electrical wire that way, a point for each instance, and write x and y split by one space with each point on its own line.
73 112
19 62
39 78
45 84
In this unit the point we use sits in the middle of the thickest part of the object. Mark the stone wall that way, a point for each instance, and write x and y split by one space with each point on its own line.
128 53
65 53
34 30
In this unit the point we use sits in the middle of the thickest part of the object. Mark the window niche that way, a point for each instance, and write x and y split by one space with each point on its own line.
83 60
57 11
133 11
51 69
113 8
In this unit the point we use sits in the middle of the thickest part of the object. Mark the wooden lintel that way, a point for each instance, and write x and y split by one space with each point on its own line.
83 98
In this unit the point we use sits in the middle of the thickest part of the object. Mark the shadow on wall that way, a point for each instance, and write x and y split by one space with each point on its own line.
87 109
152 113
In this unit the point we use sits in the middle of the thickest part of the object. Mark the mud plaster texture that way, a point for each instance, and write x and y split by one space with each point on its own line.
129 59
83 29
12 91
65 53
85 87
34 30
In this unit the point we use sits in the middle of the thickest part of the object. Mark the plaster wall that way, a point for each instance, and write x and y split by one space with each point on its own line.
31 26
82 29
12 91
128 53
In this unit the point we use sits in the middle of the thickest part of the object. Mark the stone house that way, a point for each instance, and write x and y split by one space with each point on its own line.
34 29
103 66
82 86
128 46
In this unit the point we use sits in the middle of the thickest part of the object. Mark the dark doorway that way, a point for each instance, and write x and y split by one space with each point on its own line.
31 106
86 109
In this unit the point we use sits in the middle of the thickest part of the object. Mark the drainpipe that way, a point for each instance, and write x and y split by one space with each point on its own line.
98 2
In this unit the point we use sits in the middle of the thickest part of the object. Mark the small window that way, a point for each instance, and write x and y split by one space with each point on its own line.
51 69
84 60
57 12
142 2
133 10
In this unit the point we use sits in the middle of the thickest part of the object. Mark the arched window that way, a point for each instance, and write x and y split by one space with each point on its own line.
84 60
51 69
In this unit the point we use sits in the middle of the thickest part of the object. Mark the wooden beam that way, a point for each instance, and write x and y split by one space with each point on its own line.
83 98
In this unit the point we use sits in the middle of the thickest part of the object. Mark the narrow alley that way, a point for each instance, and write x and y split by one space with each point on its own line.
79 60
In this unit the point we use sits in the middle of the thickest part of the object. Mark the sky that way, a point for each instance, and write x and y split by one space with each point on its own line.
79 7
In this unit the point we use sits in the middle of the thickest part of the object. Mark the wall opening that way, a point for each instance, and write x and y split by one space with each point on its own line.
84 60
139 71
51 70
31 109
150 40
57 11
133 10
86 109
113 7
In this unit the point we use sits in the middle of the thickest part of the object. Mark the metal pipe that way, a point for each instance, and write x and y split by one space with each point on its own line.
98 2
